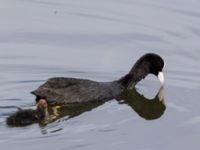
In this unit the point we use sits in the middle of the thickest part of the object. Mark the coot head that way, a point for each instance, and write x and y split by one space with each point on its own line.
149 63
41 109
155 63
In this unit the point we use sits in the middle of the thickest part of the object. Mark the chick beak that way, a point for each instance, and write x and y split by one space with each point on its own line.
161 77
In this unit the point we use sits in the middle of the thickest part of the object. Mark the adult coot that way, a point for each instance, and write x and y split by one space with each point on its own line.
63 91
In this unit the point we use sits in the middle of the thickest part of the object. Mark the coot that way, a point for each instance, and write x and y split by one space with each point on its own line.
24 117
63 91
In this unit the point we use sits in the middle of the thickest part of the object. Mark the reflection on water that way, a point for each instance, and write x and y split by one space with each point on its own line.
148 109
144 107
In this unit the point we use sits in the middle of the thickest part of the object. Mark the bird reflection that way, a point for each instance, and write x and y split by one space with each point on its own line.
148 109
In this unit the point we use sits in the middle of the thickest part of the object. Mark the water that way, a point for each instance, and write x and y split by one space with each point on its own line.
101 40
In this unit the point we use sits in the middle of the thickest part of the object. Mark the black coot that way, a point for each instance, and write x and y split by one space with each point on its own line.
63 91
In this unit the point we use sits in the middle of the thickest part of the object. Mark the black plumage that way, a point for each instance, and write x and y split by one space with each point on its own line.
62 90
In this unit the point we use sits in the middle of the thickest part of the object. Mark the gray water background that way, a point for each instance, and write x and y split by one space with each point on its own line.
101 40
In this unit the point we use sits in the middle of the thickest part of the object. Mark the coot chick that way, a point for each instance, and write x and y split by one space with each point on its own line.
24 117
63 91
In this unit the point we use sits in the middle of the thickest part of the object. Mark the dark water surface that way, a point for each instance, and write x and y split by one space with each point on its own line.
101 40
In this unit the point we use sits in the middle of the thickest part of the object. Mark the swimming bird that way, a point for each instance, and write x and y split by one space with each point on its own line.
24 117
64 91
